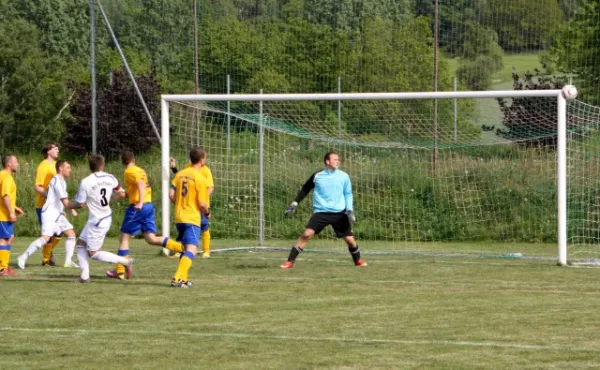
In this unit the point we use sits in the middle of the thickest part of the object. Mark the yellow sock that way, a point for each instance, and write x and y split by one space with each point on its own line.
185 262
173 245
120 269
4 256
206 241
48 247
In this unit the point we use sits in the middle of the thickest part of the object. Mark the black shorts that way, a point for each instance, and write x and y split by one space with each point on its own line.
339 221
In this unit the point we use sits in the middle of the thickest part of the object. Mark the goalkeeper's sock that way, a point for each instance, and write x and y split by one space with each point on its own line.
172 245
4 256
120 268
47 249
296 250
206 242
185 262
354 252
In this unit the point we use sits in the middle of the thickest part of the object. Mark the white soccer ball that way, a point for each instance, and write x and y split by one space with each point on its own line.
569 92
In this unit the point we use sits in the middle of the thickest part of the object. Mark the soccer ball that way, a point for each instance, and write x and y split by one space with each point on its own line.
569 92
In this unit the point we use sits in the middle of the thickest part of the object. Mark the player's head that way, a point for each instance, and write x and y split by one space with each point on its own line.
127 157
197 155
63 168
10 163
331 160
96 162
50 150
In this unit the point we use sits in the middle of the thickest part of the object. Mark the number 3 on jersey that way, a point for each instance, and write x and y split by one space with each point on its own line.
103 200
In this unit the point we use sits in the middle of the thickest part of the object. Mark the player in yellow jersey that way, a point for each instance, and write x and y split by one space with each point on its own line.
139 216
8 211
45 172
205 225
189 192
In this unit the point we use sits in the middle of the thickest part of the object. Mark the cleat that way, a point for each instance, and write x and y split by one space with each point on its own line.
82 281
206 255
71 265
114 275
361 263
175 255
129 269
287 265
21 262
51 261
181 284
7 272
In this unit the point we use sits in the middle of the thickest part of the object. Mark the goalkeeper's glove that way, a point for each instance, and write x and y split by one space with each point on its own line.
290 210
351 216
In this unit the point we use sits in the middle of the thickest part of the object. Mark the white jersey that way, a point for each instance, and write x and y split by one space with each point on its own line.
57 190
96 190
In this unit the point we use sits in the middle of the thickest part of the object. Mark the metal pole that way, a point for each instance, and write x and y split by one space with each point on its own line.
228 114
435 88
93 75
562 180
455 112
196 78
261 195
339 108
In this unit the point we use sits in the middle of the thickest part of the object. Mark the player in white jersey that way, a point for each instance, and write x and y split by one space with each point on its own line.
53 217
95 191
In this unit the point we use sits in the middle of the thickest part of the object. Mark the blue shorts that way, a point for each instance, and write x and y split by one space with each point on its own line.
204 222
38 212
142 220
7 229
188 234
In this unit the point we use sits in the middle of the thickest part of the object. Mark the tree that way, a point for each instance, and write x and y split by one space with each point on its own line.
119 128
482 56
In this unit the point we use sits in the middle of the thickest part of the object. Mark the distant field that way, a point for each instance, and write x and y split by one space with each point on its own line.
402 311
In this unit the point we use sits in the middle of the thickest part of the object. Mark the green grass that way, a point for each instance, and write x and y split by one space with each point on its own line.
243 312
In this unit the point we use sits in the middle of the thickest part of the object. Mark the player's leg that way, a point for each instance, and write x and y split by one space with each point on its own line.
70 247
33 247
131 226
315 225
148 227
82 258
95 238
343 229
205 233
189 236
6 238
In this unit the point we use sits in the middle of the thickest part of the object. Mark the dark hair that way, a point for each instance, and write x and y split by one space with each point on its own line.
197 154
328 156
59 164
96 162
127 157
48 147
6 158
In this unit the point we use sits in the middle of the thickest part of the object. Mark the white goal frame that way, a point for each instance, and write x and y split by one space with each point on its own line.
561 143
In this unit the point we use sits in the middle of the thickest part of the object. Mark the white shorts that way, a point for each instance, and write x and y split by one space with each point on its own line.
94 232
55 226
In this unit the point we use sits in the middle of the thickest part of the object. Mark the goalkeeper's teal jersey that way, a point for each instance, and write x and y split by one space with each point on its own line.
332 192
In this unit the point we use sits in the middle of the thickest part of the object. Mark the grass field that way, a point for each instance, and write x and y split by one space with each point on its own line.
402 311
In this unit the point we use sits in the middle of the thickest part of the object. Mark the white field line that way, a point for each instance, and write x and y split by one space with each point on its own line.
519 346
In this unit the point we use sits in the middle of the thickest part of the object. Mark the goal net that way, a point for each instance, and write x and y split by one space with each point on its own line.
427 169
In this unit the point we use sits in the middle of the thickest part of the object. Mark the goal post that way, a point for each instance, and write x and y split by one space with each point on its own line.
198 116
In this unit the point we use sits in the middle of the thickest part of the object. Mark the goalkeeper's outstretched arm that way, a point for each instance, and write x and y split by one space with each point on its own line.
306 188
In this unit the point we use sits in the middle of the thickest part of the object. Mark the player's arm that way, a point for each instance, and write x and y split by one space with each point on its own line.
306 188
40 177
11 212
118 192
40 190
349 199
72 205
141 186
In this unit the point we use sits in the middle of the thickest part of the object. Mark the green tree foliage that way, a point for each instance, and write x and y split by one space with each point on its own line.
576 50
482 56
118 129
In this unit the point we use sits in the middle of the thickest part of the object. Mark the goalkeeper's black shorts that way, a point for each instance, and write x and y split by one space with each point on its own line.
339 221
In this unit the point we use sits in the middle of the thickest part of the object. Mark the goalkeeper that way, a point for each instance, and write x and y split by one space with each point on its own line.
332 205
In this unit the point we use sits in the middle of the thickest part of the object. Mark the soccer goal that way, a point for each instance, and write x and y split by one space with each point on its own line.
438 169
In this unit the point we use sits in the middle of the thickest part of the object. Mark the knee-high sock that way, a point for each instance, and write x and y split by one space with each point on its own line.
185 262
84 266
120 269
34 246
69 249
4 256
206 241
172 245
110 258
47 250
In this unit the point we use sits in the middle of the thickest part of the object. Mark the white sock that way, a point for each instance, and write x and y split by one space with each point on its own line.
84 266
34 246
110 258
69 249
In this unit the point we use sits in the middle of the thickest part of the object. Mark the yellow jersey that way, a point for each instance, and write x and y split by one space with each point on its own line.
46 170
190 190
206 172
7 187
132 175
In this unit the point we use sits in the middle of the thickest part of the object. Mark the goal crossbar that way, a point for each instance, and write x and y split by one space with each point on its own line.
561 134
